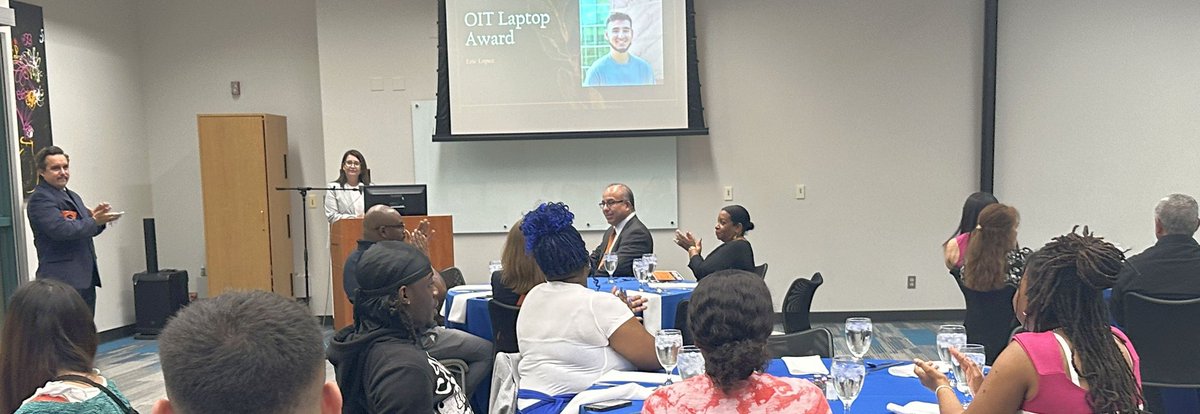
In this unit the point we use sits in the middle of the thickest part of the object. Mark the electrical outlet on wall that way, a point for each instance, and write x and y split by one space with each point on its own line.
912 281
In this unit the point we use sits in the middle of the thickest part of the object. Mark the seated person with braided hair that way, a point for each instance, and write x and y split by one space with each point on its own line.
730 317
570 335
381 362
1071 360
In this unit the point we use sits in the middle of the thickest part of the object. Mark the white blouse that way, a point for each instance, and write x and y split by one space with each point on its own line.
343 204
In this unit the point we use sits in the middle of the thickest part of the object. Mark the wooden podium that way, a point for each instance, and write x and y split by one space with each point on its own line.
343 240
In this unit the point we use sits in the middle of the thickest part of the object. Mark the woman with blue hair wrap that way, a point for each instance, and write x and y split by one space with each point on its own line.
570 335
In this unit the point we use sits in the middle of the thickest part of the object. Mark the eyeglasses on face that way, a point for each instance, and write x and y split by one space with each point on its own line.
610 203
352 163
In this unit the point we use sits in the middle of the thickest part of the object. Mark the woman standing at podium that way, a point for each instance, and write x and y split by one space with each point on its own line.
341 202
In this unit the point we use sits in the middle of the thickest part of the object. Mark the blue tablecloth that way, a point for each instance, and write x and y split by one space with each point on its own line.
879 389
479 321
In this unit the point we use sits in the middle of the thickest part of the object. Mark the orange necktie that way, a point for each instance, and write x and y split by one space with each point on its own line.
612 237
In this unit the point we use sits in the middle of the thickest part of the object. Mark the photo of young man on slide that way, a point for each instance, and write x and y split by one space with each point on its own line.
619 67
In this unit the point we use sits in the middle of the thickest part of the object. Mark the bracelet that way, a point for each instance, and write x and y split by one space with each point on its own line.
939 388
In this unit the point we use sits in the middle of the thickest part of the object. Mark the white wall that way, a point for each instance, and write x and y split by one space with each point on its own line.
873 106
97 112
190 51
1096 118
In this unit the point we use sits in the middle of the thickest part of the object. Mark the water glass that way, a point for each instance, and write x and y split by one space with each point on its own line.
639 270
950 336
975 353
691 362
858 336
848 376
651 263
666 347
495 266
610 266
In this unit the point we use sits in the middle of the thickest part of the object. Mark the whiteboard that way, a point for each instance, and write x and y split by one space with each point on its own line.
488 185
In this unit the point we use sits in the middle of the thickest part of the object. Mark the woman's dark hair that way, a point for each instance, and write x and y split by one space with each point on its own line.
554 243
739 215
970 212
986 265
1064 284
48 329
730 318
364 173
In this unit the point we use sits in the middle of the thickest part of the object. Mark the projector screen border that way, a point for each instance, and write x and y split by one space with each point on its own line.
639 133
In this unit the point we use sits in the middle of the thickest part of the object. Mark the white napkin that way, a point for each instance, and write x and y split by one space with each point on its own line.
617 376
458 308
672 285
907 370
620 392
652 316
806 365
914 407
471 288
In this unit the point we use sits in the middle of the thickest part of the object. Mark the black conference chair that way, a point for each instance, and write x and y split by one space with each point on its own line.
816 341
681 321
504 326
1158 333
761 270
798 302
453 277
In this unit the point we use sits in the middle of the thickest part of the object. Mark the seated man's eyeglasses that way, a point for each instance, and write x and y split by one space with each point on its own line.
610 203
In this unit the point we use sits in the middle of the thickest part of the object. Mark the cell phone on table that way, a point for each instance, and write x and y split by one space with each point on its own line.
606 405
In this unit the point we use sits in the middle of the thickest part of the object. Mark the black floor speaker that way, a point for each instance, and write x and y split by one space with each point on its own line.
156 298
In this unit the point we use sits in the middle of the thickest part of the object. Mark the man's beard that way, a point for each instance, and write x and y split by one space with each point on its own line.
618 49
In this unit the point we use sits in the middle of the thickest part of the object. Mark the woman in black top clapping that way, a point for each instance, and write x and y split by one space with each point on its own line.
734 253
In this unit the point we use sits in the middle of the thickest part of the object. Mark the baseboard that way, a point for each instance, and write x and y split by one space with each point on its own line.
116 333
325 320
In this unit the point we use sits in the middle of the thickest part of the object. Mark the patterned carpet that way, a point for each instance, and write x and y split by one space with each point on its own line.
133 364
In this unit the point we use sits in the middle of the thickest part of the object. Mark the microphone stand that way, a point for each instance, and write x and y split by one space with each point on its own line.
304 219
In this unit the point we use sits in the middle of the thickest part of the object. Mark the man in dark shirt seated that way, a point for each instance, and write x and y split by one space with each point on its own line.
1170 269
626 237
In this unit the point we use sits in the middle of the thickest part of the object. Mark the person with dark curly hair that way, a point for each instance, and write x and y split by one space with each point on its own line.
730 317
570 335
734 252
1070 360
381 362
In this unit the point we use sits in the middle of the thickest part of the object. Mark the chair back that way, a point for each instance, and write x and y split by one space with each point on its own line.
504 326
453 277
458 368
1158 330
816 341
681 321
761 270
798 301
505 383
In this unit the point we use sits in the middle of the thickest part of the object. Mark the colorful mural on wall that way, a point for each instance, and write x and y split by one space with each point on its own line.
32 90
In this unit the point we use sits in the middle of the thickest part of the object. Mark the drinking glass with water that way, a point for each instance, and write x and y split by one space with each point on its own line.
848 376
950 336
858 336
975 353
691 362
666 347
610 266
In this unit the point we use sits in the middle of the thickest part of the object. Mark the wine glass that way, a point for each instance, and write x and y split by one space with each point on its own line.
639 271
691 362
858 336
666 347
848 376
610 266
950 336
975 353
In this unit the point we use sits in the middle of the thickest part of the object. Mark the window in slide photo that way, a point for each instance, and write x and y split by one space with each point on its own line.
620 42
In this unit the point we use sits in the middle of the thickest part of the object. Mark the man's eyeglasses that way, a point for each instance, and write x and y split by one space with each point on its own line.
610 203
391 226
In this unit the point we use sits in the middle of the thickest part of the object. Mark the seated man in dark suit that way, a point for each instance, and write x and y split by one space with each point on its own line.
1170 269
627 237
63 227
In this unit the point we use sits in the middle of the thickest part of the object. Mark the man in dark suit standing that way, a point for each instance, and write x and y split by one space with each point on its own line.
627 237
63 227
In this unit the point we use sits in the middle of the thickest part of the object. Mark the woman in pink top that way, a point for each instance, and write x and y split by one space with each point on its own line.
1071 361
730 316
955 248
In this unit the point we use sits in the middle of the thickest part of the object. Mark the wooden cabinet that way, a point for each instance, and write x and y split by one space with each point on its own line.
247 241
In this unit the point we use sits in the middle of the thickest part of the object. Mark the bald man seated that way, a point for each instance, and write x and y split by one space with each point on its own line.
380 223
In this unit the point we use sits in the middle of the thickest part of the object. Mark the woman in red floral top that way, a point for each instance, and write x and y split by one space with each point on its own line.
730 316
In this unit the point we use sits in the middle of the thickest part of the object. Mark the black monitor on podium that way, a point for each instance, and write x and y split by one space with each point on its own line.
408 199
